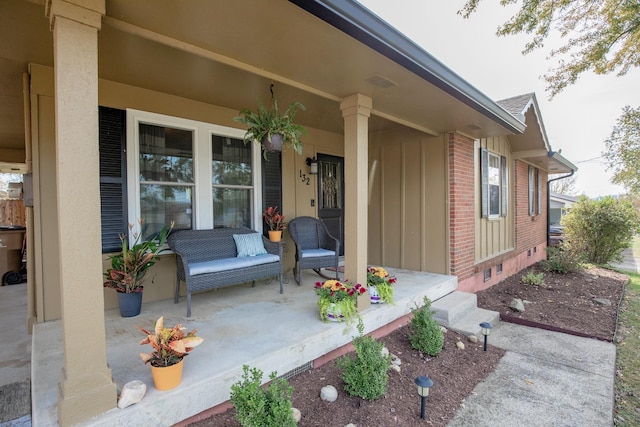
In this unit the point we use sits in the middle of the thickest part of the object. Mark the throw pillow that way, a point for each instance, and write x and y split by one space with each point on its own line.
249 244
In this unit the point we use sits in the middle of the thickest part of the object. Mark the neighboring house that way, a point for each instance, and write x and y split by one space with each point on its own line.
417 168
559 205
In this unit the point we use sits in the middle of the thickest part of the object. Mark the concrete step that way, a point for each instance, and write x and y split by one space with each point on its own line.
470 323
452 307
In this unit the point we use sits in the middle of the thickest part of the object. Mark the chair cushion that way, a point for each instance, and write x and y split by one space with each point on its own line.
314 253
227 264
249 244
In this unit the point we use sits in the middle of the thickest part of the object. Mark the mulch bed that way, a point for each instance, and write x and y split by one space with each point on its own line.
564 302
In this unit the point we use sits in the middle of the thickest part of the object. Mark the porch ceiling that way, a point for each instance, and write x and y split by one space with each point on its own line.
227 53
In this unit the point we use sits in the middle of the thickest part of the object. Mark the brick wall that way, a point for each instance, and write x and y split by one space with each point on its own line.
531 231
461 205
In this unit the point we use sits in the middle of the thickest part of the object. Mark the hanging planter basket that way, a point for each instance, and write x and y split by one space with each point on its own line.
274 143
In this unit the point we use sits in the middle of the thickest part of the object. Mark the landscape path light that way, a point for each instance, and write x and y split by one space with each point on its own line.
486 330
424 384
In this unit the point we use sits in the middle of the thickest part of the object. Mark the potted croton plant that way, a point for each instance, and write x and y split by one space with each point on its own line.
271 128
337 300
170 346
275 221
380 285
129 268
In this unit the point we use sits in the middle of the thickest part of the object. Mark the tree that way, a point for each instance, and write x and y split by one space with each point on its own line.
566 186
600 229
623 150
600 35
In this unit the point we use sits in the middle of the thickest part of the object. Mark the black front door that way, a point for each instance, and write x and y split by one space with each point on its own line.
331 195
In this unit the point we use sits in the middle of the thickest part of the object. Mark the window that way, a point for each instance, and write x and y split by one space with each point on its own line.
197 175
494 184
535 191
232 182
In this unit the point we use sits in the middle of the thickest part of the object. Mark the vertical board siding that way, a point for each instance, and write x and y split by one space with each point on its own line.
495 236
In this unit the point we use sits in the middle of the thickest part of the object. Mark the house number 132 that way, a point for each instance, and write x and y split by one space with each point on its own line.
304 178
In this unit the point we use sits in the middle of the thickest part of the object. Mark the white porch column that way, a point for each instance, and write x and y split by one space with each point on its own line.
356 110
86 388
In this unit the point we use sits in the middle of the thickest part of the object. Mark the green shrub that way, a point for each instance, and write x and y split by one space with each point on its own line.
262 407
365 373
424 332
561 260
600 229
532 278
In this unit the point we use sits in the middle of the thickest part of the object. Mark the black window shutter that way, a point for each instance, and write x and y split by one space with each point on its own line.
271 182
484 191
113 177
503 183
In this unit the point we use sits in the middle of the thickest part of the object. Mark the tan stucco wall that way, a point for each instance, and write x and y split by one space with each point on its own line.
407 202
297 195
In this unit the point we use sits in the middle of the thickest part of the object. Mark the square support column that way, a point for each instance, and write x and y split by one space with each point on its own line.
86 388
356 110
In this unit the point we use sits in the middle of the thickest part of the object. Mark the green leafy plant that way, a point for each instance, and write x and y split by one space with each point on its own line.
170 345
561 260
130 265
424 332
365 372
532 278
379 277
257 406
265 123
600 229
342 295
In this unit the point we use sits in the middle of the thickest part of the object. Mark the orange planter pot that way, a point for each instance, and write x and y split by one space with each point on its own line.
166 378
275 235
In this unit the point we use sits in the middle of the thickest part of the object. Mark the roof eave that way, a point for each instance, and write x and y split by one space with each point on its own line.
360 23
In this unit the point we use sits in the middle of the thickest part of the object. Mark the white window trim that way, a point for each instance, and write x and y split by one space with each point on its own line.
202 167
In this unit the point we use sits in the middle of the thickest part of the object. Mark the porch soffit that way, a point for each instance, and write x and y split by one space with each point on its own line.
308 59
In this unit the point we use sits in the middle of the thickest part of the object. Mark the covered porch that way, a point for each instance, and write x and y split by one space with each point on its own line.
240 325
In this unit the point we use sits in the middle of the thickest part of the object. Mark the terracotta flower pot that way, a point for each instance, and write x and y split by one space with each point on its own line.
275 235
167 377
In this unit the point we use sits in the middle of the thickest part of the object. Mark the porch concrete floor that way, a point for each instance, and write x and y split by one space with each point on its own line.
240 325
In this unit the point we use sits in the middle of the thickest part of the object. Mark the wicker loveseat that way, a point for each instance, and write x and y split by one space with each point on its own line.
208 259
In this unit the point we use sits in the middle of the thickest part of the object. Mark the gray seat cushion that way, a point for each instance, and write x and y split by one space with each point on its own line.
227 264
313 253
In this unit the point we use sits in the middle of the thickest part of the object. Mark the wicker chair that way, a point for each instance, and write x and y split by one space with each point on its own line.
315 247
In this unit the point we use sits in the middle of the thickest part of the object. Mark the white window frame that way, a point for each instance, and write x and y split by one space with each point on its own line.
202 202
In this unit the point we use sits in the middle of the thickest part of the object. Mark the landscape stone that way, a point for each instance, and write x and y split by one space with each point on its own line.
517 305
460 345
329 393
384 352
602 301
472 338
443 329
396 368
296 414
396 361
132 393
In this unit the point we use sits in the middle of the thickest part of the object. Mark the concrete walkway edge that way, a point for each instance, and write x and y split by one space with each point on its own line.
545 379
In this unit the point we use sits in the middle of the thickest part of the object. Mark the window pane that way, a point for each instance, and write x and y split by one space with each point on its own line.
231 161
494 200
231 207
166 154
162 204
494 170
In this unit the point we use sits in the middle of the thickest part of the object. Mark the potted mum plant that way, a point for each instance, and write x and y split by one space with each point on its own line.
275 221
337 300
271 128
129 268
379 285
170 346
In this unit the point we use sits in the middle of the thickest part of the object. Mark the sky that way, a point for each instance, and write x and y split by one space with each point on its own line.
577 121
